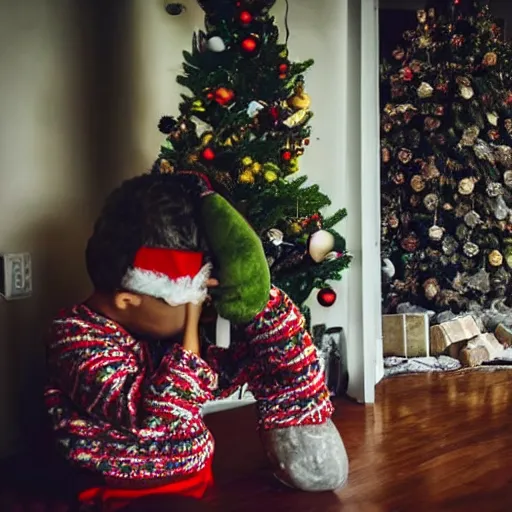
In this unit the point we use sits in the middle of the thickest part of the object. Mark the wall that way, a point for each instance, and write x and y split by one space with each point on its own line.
65 139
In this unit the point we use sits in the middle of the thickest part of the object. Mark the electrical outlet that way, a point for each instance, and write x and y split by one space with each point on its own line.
15 276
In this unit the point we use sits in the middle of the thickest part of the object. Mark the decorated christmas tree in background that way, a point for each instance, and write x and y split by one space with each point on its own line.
446 137
244 121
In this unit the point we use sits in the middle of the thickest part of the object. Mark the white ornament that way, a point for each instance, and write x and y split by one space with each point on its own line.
253 108
321 243
201 126
425 90
492 117
216 44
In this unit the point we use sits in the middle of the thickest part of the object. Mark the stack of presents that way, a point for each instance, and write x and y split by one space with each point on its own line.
411 336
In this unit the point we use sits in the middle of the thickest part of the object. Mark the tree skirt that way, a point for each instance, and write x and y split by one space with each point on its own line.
399 365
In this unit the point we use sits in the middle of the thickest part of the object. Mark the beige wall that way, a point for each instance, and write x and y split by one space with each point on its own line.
65 138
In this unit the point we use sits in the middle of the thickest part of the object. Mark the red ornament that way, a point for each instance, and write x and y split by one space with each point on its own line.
283 68
210 95
223 95
408 74
286 155
249 44
306 142
208 154
245 17
326 297
274 113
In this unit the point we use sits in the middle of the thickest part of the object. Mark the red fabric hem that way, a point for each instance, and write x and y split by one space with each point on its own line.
111 499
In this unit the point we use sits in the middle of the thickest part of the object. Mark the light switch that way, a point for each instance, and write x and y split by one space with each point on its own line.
15 275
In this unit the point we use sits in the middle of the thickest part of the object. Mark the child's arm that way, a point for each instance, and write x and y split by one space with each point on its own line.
107 379
293 390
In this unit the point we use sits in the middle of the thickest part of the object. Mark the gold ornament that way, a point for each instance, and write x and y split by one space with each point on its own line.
466 186
294 165
246 161
429 169
246 177
431 288
425 90
270 176
300 100
297 119
256 168
490 59
295 228
424 41
495 258
192 158
206 138
470 135
166 167
231 140
417 183
197 106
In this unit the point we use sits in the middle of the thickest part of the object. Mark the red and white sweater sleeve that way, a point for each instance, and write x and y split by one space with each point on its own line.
110 380
289 382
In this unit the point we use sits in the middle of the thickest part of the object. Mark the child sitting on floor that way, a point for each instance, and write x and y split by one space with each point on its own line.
129 374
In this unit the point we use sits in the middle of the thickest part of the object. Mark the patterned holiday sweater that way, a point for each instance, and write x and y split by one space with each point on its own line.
124 411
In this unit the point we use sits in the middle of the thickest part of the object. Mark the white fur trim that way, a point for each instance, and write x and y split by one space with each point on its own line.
175 292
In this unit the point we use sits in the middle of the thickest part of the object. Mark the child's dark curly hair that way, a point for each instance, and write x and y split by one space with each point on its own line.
154 210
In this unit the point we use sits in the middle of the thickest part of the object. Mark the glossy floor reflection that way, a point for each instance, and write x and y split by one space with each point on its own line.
433 442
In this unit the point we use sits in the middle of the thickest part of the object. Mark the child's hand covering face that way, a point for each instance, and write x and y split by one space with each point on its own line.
153 317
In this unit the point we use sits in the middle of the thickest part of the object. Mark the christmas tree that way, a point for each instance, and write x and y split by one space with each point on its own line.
446 137
245 123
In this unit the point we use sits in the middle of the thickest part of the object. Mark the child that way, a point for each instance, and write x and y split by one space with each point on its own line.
128 374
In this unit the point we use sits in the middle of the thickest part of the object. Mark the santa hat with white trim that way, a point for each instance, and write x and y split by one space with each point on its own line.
175 276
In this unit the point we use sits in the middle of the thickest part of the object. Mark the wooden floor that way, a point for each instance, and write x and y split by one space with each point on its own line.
432 442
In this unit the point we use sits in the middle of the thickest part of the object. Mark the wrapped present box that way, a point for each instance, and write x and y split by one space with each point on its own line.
406 335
